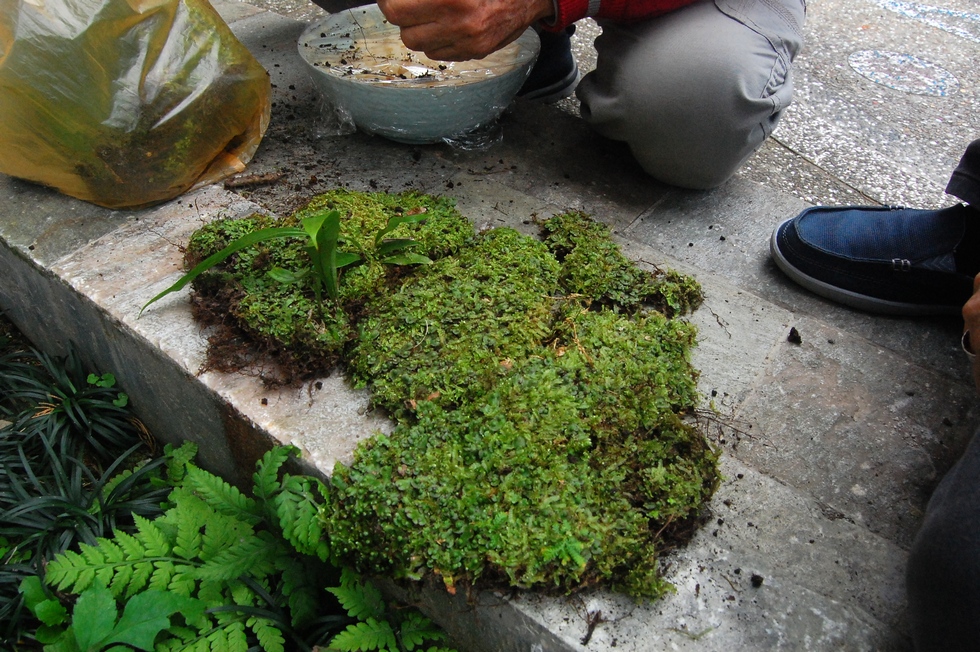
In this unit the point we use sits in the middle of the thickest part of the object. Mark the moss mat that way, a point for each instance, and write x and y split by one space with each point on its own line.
538 387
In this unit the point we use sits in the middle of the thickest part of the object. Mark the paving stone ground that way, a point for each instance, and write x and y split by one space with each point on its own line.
831 446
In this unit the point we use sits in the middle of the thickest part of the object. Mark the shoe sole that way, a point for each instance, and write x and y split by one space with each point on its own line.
853 299
553 92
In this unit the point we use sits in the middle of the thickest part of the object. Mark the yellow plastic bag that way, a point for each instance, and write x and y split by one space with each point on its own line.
125 103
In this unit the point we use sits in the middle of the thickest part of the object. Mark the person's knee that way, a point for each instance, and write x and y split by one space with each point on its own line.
695 142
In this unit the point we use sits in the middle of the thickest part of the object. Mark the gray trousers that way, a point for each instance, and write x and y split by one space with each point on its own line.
695 92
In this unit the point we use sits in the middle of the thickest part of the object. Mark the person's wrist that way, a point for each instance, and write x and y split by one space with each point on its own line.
544 10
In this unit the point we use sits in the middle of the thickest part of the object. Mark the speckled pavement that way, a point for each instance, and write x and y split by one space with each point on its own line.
831 446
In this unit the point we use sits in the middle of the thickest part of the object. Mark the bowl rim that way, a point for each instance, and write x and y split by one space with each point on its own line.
529 45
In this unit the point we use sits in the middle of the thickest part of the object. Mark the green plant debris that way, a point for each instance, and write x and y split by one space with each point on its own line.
539 390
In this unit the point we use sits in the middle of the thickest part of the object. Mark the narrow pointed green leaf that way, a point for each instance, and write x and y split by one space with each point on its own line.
344 258
407 258
396 221
287 276
245 241
391 246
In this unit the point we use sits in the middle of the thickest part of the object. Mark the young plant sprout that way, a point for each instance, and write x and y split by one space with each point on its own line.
322 231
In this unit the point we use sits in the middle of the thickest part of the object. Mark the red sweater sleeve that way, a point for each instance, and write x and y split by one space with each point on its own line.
568 11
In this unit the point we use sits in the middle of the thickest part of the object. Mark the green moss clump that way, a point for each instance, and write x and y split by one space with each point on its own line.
289 315
446 333
538 389
594 267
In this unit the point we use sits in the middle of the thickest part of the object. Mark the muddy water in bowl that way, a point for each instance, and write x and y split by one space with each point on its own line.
362 68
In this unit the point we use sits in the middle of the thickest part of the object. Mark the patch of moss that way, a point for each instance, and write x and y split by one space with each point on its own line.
594 267
538 389
290 315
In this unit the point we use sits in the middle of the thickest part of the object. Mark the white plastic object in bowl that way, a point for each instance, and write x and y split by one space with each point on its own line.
361 67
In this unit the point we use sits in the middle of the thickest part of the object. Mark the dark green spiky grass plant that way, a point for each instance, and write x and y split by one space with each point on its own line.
70 467
539 390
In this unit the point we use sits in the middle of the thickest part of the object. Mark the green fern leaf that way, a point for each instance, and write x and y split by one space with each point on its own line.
254 556
299 515
221 496
212 594
266 476
129 545
124 575
199 645
270 638
155 541
163 573
116 480
105 575
85 578
237 640
363 637
194 516
111 552
416 629
241 594
359 598
183 584
178 460
218 641
221 533
300 589
62 572
141 576
92 554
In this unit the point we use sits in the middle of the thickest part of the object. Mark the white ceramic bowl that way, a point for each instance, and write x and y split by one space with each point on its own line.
420 101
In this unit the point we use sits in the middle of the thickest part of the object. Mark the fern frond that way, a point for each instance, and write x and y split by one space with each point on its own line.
92 555
415 629
213 593
114 482
237 640
141 576
183 584
363 637
178 459
266 476
242 594
270 638
255 556
221 496
218 640
63 571
299 516
300 588
129 545
155 541
222 533
359 598
119 583
194 516
163 573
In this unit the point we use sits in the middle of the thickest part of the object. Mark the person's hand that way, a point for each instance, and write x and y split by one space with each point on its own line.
458 30
971 325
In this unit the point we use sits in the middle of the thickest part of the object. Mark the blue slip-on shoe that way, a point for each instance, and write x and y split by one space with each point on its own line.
555 73
896 261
